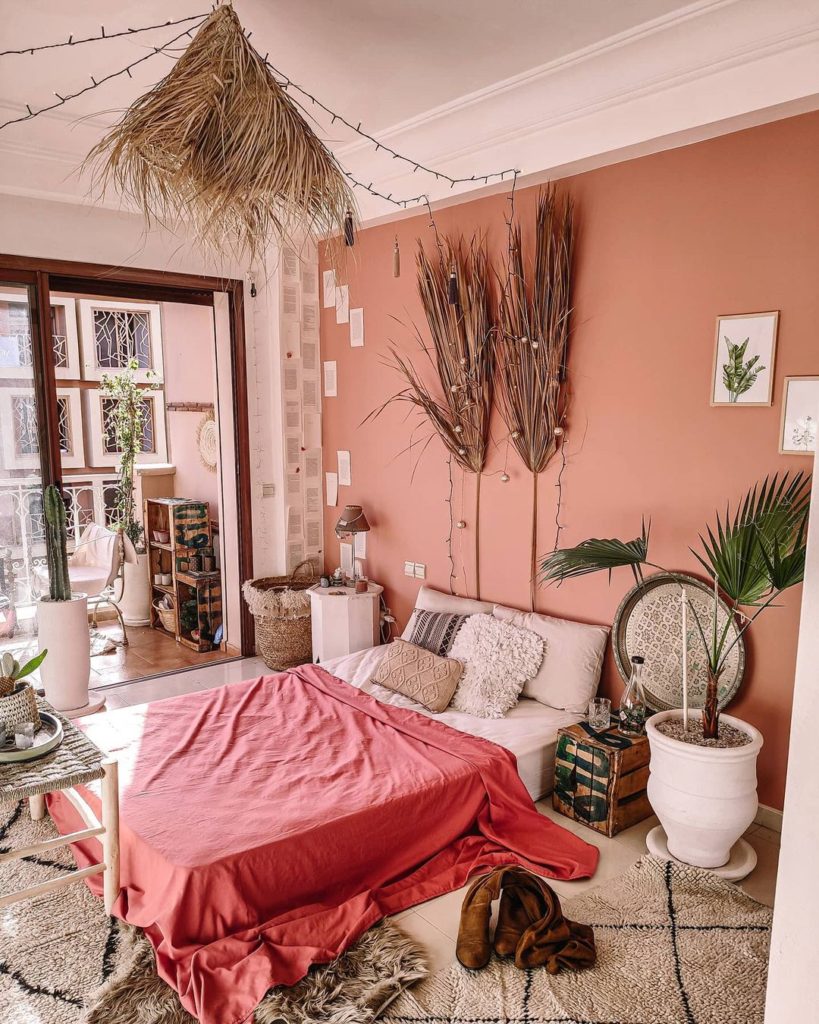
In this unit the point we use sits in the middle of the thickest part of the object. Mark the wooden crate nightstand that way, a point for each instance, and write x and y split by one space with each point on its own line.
601 778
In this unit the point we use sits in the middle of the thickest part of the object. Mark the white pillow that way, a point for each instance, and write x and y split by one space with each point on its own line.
429 600
498 659
572 659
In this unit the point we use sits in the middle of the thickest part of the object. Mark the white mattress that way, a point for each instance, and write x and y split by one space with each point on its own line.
529 730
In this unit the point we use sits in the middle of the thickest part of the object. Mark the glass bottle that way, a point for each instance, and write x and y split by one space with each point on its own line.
633 705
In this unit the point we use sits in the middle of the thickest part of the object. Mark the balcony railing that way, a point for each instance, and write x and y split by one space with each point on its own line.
90 499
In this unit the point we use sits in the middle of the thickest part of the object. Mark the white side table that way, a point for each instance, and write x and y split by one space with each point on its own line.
344 621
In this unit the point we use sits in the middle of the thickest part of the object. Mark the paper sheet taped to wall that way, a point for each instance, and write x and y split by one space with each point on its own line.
312 500
312 534
310 395
295 554
309 318
346 551
309 279
330 379
360 545
291 378
294 485
292 416
290 299
292 449
312 465
294 521
356 328
342 304
309 356
329 285
331 487
290 262
345 471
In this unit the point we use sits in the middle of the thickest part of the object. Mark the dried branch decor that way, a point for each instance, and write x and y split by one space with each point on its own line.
532 342
219 143
459 404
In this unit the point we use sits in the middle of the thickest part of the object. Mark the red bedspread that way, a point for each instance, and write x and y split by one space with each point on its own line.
268 824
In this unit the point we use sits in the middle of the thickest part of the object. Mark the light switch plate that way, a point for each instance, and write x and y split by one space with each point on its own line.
409 568
420 571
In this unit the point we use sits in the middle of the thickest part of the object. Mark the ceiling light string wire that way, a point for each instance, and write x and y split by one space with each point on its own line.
448 500
96 83
71 41
287 83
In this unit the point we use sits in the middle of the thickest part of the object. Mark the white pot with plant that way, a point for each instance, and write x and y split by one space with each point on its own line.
702 783
62 619
127 421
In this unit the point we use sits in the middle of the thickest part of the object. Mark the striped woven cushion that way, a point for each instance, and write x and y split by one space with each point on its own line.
435 631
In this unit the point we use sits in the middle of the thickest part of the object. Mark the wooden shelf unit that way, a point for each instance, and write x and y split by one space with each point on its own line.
197 610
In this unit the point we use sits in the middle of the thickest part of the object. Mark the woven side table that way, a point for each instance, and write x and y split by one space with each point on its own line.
75 762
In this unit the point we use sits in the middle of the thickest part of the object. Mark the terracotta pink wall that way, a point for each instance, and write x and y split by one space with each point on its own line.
190 376
665 244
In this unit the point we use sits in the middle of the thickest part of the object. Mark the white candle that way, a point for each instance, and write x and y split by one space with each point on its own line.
684 600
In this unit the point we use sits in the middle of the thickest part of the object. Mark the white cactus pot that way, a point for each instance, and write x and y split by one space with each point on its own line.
63 631
135 595
705 797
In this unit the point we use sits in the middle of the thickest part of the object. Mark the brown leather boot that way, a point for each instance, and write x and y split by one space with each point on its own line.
474 949
513 919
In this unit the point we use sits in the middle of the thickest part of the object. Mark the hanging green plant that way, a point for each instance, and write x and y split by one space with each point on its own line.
124 429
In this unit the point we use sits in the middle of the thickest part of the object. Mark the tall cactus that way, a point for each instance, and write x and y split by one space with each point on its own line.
56 545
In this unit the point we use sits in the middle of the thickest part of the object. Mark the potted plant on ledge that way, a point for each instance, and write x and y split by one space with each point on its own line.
126 430
702 785
62 619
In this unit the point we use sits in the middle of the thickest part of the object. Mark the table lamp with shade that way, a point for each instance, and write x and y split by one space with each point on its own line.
351 522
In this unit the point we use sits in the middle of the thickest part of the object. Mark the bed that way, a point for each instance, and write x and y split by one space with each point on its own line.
265 825
529 730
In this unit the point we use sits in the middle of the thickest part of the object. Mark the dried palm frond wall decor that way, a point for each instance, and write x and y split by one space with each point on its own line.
459 404
219 143
532 341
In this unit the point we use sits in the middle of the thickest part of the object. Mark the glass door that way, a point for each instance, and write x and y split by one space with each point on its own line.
26 460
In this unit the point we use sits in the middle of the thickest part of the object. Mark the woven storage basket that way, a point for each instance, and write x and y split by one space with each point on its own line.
167 616
281 611
19 706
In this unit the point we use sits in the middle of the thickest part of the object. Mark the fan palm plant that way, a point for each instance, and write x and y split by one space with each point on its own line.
752 556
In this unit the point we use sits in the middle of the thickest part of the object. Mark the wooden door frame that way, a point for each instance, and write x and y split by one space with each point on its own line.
160 285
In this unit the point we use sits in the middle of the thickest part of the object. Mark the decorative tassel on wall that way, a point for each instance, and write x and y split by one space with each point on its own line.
396 259
349 229
453 286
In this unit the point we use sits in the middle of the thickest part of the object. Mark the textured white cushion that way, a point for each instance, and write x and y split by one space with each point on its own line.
572 659
498 658
429 600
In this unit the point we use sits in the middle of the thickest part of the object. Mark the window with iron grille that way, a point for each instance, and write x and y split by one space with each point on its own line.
15 335
121 335
148 431
26 437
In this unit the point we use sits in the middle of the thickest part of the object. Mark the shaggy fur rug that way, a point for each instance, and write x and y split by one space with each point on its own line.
675 945
63 961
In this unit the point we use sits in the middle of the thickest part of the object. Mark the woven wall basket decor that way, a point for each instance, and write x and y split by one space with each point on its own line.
649 622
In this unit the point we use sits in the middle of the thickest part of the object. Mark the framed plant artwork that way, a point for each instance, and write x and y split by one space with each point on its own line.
744 359
800 415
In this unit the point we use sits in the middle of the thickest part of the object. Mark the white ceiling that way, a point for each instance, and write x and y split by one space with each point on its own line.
468 86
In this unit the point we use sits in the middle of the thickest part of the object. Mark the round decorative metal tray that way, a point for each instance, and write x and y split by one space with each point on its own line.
649 622
49 736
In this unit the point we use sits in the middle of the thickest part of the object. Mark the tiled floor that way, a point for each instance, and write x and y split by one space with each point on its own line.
435 924
148 653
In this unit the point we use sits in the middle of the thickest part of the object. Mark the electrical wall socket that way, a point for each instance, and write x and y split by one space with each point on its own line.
420 571
409 568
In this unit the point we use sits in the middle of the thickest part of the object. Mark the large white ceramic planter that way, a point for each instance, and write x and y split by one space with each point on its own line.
705 797
63 631
135 603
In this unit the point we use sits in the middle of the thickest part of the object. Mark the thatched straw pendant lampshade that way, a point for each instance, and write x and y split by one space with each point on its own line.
219 143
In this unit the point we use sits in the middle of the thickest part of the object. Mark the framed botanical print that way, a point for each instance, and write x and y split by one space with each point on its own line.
744 359
800 416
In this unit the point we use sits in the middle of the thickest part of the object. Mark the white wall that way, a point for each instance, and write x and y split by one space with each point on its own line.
793 974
